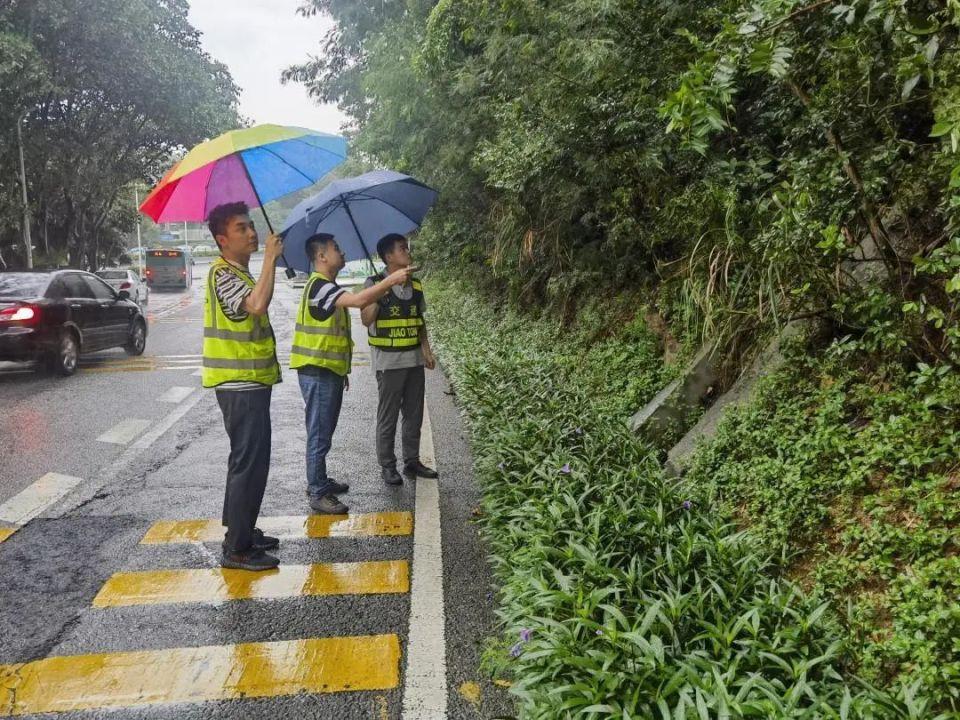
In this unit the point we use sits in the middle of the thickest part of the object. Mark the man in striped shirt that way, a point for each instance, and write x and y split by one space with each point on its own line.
322 375
244 402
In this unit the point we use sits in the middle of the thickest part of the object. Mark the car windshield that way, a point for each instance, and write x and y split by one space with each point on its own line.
113 274
23 284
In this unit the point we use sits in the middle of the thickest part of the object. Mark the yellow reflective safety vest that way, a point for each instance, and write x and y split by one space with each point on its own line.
236 350
398 323
321 343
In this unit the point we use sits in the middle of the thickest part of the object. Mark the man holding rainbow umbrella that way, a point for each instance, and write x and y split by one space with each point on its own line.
218 181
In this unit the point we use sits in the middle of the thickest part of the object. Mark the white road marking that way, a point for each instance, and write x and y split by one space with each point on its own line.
427 455
161 427
425 680
120 465
124 431
176 394
33 500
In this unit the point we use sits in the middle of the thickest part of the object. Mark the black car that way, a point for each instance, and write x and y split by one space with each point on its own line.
53 316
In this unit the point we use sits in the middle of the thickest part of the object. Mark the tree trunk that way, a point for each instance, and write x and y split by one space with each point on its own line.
890 257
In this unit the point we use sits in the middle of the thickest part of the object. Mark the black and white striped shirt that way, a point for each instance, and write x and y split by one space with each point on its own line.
232 292
322 301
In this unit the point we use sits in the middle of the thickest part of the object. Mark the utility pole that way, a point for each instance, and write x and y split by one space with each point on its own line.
28 243
136 200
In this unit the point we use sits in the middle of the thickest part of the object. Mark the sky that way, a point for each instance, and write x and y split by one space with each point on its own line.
256 40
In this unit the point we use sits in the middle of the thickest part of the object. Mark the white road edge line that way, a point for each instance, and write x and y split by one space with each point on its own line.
34 499
425 680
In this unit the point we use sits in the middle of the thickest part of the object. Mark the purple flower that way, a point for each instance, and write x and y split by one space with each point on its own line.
687 504
500 466
525 634
516 650
565 469
599 631
579 431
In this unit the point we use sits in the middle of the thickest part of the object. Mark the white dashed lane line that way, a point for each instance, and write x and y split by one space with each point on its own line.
176 394
124 431
33 500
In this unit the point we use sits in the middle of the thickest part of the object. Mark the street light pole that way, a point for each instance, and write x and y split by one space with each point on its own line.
28 243
136 199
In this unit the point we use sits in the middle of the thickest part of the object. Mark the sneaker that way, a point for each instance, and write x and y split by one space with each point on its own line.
391 476
255 560
264 542
328 505
415 468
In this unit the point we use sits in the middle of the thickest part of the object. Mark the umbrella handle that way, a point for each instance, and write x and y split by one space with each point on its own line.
289 272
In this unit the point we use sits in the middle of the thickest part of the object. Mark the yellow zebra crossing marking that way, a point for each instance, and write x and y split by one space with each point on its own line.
6 532
219 672
217 585
288 527
149 363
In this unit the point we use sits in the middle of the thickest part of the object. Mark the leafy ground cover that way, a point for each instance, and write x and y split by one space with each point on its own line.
855 468
621 593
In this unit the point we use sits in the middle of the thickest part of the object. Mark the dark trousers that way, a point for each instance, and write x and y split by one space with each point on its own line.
401 392
246 417
322 396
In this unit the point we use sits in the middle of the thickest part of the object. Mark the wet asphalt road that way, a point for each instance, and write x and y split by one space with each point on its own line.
56 564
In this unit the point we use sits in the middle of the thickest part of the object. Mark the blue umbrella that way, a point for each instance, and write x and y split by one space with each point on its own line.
357 212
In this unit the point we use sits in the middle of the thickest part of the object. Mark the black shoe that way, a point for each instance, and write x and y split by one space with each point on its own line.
264 542
328 505
335 487
255 560
391 476
415 468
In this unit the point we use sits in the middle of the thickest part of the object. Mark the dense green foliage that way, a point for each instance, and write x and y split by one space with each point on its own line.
732 154
724 166
857 468
108 90
623 594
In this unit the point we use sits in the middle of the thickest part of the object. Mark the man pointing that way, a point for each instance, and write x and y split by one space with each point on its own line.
322 354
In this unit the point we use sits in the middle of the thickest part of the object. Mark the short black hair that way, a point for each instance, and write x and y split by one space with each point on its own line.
387 243
219 217
315 242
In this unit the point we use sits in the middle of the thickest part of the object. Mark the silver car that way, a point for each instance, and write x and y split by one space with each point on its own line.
126 279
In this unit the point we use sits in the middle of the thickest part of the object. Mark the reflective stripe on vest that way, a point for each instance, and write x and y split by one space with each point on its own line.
235 350
321 343
397 327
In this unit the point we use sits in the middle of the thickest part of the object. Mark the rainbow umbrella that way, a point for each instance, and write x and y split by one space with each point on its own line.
255 165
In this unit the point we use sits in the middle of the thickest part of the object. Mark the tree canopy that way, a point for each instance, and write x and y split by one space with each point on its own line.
108 90
746 161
